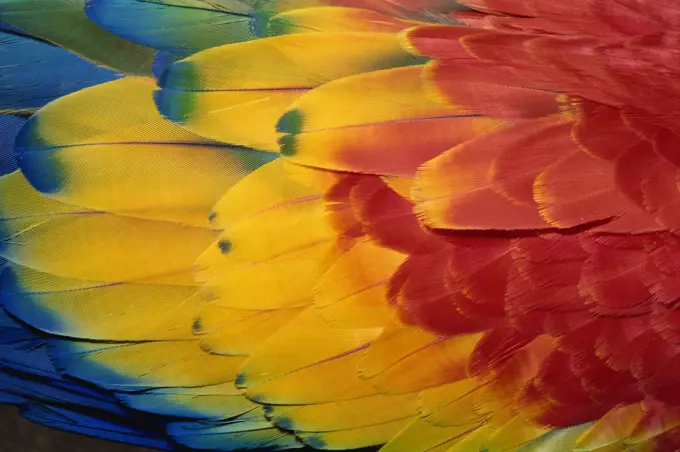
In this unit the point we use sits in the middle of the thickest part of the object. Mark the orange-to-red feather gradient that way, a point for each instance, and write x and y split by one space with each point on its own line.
425 226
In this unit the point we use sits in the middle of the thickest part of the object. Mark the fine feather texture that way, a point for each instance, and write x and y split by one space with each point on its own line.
31 222
461 236
77 308
73 31
176 29
247 99
10 125
25 63
126 139
368 124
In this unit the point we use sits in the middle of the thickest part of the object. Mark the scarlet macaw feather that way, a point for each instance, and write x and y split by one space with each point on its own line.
422 225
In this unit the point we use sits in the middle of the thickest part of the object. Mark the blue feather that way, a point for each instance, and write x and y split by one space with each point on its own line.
177 30
12 399
111 428
34 72
9 127
231 435
56 392
162 61
70 358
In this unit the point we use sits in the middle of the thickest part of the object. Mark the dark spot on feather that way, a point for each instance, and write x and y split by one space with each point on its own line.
259 24
291 122
288 145
315 441
197 325
224 246
284 422
241 380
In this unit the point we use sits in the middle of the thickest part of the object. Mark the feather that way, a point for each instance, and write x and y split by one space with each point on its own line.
453 404
97 310
243 117
355 423
203 402
513 435
441 42
343 415
244 336
11 399
420 436
558 440
288 248
73 31
27 354
611 429
78 147
377 115
501 6
230 436
445 202
405 359
204 92
474 89
473 253
87 424
273 283
354 438
25 63
142 365
179 29
52 237
579 189
271 247
387 217
56 391
357 280
426 295
610 138
335 19
267 188
275 359
331 378
10 126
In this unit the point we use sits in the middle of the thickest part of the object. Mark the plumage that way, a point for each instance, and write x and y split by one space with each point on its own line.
176 28
78 165
249 98
77 308
35 72
73 31
86 424
30 221
203 402
11 124
371 130
335 224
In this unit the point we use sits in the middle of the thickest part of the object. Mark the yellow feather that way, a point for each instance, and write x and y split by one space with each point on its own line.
345 414
280 354
75 242
244 336
404 359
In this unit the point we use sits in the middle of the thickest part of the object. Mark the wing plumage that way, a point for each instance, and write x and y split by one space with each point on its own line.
341 224
64 23
34 72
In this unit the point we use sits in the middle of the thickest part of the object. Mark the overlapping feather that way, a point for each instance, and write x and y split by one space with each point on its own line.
437 262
